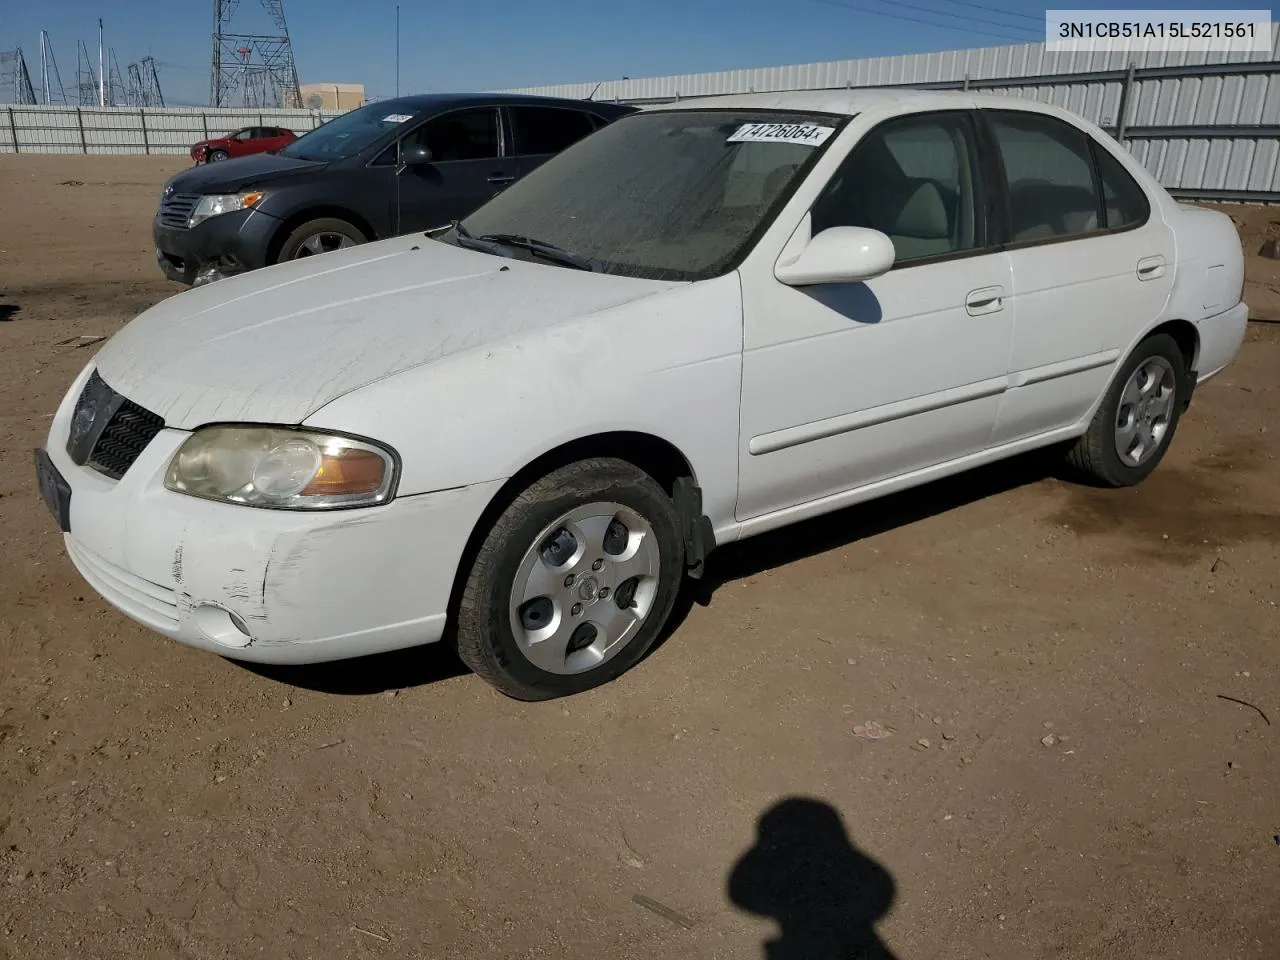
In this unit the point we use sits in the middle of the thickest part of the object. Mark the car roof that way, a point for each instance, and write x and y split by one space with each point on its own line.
420 103
850 102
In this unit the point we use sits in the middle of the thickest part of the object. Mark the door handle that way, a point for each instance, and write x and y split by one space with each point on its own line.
500 178
984 300
1151 268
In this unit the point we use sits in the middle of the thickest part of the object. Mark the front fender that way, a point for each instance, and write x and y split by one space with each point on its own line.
668 365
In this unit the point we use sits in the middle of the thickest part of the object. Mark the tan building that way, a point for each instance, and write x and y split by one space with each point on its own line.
332 96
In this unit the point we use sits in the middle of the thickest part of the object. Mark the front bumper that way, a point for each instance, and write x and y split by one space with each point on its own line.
263 585
218 247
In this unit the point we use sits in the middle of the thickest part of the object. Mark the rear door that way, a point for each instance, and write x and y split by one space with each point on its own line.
469 165
1092 267
542 132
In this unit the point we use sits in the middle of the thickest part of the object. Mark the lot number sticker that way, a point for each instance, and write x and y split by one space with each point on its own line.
808 134
397 118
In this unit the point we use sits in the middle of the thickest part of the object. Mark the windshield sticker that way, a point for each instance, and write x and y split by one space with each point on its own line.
808 134
397 118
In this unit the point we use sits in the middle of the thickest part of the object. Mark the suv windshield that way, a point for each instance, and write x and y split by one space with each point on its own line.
666 195
346 135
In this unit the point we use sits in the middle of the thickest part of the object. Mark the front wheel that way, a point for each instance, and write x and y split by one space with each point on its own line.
322 235
215 155
573 583
1135 423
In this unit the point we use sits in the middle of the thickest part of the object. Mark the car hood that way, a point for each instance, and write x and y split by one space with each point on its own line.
238 173
275 345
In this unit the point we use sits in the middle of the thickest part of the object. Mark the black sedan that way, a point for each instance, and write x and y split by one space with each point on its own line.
385 169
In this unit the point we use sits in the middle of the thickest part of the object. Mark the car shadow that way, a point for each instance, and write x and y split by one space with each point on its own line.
804 873
8 311
777 548
424 665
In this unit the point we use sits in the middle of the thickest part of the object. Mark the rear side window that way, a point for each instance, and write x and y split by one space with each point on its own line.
1124 200
542 130
1049 169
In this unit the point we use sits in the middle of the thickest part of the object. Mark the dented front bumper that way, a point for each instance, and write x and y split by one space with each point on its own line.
269 586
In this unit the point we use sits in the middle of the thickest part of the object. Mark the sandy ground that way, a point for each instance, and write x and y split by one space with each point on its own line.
160 802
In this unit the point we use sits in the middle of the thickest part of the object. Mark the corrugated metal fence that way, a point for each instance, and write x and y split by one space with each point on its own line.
134 130
1206 124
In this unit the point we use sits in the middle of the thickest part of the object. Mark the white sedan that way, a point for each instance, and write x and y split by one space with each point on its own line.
701 322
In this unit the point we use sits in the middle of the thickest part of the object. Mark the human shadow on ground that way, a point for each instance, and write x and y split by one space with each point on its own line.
420 666
824 894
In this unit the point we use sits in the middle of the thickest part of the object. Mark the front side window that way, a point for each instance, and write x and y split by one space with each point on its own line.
464 135
915 180
674 194
1049 169
542 130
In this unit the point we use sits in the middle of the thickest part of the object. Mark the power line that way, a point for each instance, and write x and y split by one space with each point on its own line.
1007 13
958 16
928 23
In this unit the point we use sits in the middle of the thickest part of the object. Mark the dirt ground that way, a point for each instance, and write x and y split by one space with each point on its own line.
1064 777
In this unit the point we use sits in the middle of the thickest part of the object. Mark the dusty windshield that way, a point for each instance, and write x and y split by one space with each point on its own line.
346 135
665 195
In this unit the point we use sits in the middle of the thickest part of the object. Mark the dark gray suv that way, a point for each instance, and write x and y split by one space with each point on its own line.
385 169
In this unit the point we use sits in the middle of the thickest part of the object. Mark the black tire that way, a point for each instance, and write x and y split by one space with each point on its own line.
214 156
312 228
485 639
1094 456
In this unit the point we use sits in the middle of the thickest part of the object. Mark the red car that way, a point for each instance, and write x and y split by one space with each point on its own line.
242 143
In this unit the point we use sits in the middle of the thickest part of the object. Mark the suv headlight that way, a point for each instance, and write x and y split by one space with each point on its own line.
216 204
282 468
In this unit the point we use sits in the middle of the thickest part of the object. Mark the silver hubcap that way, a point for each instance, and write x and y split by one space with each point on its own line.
584 588
323 243
1146 406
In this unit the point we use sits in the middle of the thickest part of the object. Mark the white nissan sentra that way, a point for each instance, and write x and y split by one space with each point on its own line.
699 323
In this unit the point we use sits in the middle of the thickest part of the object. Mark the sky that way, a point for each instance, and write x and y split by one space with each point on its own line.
495 44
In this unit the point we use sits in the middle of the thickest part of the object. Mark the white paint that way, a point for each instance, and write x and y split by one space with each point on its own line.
805 134
789 400
397 118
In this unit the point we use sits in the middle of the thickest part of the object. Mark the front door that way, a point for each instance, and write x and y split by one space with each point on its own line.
845 385
468 166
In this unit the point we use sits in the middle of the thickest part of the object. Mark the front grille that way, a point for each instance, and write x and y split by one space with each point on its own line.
115 445
175 209
122 442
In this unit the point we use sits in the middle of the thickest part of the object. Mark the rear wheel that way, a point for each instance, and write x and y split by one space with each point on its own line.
1135 423
322 235
573 583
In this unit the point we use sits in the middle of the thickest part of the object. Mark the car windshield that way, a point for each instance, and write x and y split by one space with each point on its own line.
346 135
673 195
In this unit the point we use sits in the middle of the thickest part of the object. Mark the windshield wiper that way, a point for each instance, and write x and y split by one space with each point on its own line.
541 248
483 244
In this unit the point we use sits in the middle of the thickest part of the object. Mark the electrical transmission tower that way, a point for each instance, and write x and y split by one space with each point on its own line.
15 81
252 70
50 79
87 82
144 84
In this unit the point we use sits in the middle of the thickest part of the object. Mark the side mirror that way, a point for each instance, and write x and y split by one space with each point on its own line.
415 156
838 255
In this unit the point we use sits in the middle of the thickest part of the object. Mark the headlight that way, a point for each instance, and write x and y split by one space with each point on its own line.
216 204
281 468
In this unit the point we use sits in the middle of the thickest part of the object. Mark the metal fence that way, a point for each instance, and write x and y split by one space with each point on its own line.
1206 124
134 130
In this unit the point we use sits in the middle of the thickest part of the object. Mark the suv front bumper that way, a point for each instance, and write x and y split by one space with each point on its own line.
215 248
